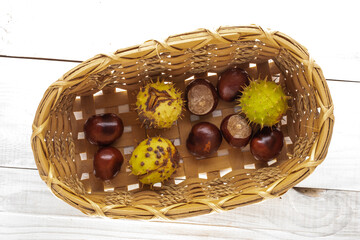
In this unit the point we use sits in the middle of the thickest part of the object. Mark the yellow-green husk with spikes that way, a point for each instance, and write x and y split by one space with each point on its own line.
263 102
159 104
154 160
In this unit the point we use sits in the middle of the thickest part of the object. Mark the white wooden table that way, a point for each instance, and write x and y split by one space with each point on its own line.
41 40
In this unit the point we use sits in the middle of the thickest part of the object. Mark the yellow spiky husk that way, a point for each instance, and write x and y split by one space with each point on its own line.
263 102
166 104
154 160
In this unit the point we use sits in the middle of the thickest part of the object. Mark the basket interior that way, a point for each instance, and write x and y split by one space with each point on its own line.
120 83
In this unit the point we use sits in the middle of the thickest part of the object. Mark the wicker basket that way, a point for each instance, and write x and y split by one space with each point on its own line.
229 178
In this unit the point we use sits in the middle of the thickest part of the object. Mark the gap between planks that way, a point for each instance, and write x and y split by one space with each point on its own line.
80 61
40 58
312 192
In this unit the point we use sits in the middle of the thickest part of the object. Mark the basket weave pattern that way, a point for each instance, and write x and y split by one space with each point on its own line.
230 177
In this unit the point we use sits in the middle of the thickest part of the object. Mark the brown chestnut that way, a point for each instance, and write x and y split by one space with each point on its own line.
201 97
266 144
103 129
236 130
231 82
204 139
107 162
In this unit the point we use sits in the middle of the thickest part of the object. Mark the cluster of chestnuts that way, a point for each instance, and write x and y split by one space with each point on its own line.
103 130
205 138
160 104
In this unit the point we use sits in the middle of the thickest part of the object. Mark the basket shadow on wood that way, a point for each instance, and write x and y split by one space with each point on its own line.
227 179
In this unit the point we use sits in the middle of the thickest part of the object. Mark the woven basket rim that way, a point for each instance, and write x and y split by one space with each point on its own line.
192 40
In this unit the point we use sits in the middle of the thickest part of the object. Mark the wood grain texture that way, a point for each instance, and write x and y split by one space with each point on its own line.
106 26
33 227
28 210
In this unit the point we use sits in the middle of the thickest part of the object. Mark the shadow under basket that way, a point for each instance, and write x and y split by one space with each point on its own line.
227 179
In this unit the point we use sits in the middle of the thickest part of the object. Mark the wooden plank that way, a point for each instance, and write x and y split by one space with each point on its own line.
106 26
28 210
21 92
34 227
22 85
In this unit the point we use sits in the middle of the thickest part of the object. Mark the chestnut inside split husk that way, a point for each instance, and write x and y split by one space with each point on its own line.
201 97
204 139
267 144
236 130
231 82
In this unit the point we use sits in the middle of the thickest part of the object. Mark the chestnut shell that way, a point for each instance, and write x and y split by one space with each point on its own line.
236 141
231 82
204 139
210 97
103 129
267 144
107 162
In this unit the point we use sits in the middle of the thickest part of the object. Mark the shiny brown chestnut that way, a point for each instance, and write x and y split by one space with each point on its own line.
236 130
107 162
201 97
204 139
231 82
266 144
103 129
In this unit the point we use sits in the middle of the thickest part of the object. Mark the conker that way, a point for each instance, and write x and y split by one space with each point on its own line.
231 82
266 144
107 162
236 130
204 139
103 129
201 97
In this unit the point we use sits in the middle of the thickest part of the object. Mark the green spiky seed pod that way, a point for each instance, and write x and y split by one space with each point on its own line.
263 102
154 160
159 105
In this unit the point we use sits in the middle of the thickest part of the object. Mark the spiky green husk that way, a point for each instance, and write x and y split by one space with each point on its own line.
154 160
159 105
263 102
